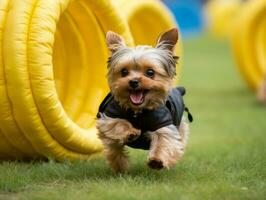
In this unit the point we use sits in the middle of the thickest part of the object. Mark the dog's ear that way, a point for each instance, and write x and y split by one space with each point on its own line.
114 41
168 40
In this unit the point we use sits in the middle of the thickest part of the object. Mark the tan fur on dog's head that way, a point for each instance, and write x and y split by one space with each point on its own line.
141 77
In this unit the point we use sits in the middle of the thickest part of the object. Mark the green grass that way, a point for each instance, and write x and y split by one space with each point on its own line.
225 158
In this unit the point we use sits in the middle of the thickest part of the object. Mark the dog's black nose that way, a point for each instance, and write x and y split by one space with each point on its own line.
134 83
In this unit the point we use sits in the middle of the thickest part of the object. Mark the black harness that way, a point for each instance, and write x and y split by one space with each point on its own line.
148 120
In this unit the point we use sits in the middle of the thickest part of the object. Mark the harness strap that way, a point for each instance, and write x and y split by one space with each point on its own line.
189 115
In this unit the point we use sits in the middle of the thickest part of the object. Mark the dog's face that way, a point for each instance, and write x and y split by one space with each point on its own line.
141 77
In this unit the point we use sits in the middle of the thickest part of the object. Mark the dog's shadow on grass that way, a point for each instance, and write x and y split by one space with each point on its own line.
98 170
92 170
19 176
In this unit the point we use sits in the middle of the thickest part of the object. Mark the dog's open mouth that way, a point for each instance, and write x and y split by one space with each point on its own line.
137 96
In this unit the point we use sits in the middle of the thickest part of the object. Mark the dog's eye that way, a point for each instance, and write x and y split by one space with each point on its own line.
124 72
150 73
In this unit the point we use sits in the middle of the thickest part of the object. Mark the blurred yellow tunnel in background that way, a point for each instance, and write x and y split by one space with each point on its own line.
220 15
249 42
244 24
52 70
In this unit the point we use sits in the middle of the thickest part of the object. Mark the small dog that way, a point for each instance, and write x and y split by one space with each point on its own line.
143 110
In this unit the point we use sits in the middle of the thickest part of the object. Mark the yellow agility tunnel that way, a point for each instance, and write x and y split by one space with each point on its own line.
249 42
52 70
220 15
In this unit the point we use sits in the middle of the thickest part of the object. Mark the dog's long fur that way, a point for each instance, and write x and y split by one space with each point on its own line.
167 143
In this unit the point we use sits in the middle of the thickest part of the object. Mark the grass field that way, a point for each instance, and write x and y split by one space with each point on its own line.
225 159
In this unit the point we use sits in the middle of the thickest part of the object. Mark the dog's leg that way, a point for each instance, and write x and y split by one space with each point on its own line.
167 146
261 94
114 133
184 132
116 156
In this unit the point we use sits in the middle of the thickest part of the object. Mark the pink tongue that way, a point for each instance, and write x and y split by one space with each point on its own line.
136 98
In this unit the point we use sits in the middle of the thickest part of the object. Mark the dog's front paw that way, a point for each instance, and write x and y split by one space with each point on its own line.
133 134
117 131
154 163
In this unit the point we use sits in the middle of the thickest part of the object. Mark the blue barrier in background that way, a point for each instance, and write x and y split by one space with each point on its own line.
189 14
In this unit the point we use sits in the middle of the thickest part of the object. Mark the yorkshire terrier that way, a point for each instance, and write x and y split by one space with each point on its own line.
143 110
